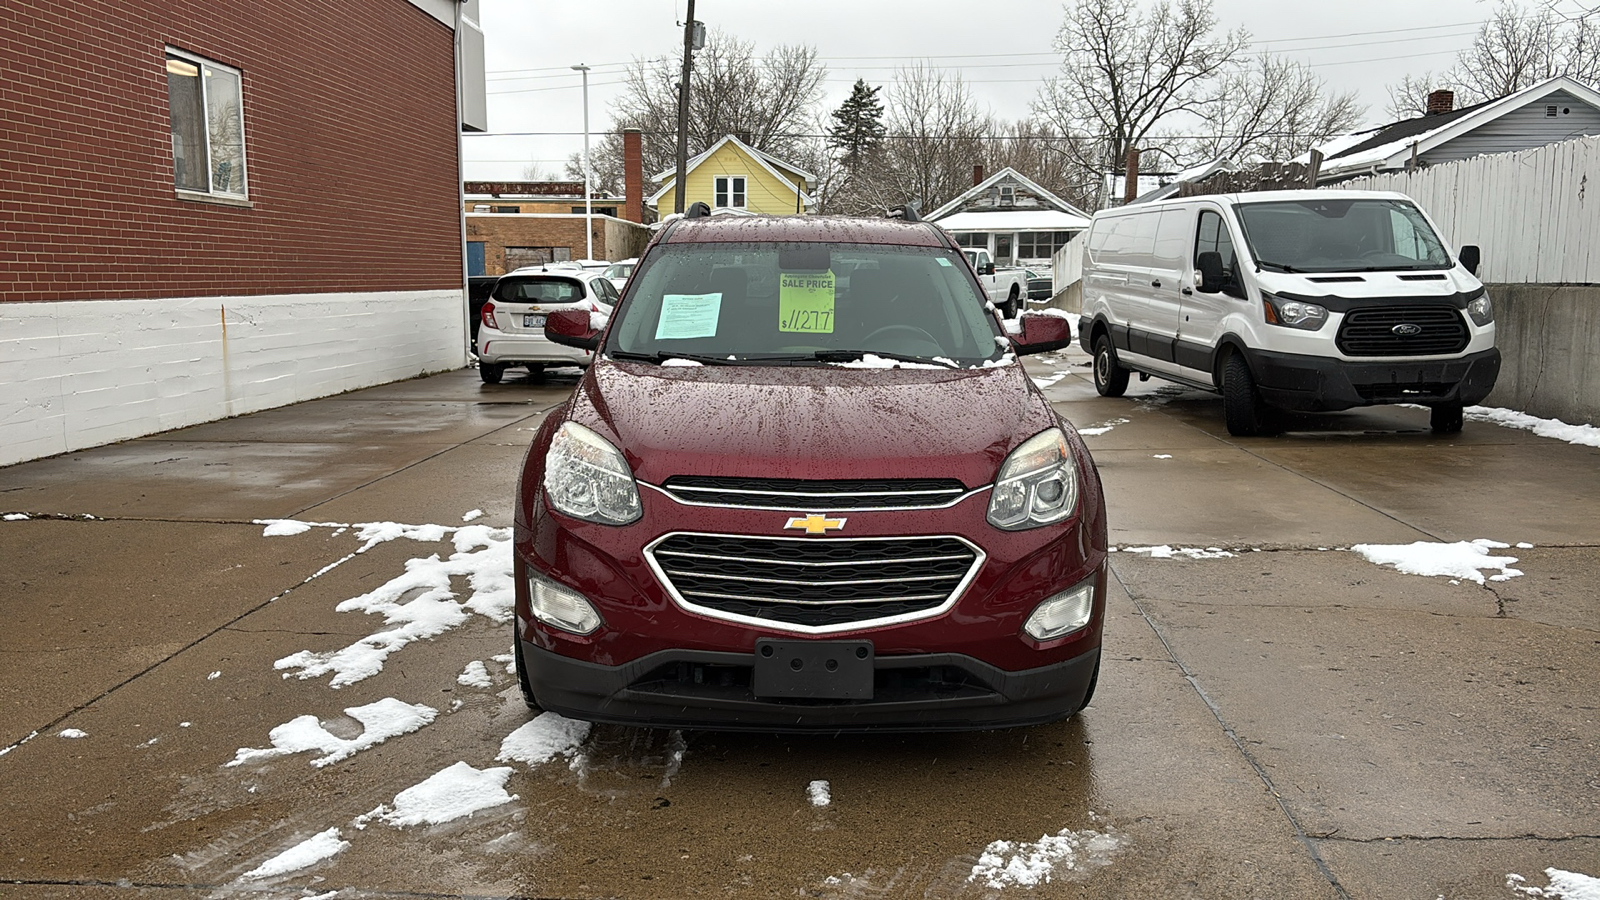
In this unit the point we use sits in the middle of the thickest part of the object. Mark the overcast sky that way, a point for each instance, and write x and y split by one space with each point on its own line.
1001 47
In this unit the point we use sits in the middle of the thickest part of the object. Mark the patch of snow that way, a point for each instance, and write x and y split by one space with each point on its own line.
471 514
184 724
549 735
1012 326
214 675
819 793
284 528
1162 456
506 659
1103 427
450 794
873 361
1524 545
72 733
1563 885
1463 559
31 736
475 675
1166 552
676 363
308 852
598 321
1583 435
15 517
1046 382
1027 864
380 721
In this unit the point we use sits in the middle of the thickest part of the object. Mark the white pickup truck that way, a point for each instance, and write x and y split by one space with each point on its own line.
1007 288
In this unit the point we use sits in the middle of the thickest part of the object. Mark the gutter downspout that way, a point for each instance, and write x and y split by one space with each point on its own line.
461 195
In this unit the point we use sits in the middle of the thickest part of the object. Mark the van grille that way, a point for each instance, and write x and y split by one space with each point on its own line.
821 583
817 496
1370 331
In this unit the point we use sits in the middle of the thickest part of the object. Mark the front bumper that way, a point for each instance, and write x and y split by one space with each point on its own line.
916 692
1304 383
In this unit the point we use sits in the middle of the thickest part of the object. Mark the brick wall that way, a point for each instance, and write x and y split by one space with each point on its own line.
339 98
613 238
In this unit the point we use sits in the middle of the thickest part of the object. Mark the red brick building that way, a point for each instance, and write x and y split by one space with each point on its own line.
167 251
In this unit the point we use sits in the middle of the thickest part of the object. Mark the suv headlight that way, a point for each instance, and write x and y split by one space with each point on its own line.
1293 313
1038 484
586 478
1480 309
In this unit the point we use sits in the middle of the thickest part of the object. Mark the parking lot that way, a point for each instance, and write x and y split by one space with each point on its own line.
1277 715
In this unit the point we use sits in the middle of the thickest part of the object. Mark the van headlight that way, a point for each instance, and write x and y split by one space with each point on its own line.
1293 313
587 478
1480 309
1038 484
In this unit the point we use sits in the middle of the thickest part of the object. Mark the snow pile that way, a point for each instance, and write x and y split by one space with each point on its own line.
1007 863
1563 885
450 794
72 733
283 527
419 603
1166 552
1162 456
1583 435
475 675
543 739
15 517
819 793
1463 559
1103 427
874 361
308 852
674 362
471 514
380 721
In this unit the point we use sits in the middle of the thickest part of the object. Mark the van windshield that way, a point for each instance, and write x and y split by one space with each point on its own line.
1341 235
803 303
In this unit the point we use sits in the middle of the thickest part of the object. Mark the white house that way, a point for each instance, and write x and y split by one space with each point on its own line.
1012 217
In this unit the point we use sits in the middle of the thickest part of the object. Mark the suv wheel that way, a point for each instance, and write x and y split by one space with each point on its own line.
1242 406
1446 418
1110 379
491 373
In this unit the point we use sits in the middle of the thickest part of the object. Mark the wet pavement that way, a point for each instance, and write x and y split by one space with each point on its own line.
1286 720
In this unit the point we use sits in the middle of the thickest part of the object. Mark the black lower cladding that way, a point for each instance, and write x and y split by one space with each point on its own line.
1321 384
713 691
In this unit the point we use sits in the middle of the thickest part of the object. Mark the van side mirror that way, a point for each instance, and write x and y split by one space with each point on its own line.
570 327
1210 279
1469 258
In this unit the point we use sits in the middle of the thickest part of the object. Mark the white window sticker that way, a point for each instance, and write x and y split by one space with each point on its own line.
688 316
942 261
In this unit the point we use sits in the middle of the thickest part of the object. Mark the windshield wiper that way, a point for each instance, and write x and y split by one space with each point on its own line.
1279 266
662 356
853 355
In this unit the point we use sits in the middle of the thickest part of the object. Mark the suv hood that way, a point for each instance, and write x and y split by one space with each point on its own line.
811 422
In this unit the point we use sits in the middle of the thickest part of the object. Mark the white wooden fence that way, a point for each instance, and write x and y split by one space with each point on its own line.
1066 268
1529 211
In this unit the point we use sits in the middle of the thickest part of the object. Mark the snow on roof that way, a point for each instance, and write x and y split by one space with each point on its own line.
1187 176
1014 220
984 186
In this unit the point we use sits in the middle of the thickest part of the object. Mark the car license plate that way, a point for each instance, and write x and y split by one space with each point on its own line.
830 670
532 320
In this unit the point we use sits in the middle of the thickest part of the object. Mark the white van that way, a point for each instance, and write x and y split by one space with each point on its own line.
1294 300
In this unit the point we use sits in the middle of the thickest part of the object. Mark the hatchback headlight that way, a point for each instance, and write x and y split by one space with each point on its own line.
560 607
1038 484
1480 309
1293 313
587 478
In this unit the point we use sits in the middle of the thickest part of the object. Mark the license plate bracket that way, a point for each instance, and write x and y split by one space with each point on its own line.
825 670
533 320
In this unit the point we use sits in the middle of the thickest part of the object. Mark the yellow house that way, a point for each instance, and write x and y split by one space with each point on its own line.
734 177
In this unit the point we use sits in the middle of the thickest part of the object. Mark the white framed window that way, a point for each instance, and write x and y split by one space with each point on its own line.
729 190
207 103
1008 194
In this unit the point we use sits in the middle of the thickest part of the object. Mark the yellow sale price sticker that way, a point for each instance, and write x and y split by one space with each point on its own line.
805 302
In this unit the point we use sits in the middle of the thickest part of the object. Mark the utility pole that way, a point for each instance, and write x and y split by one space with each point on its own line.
683 111
588 190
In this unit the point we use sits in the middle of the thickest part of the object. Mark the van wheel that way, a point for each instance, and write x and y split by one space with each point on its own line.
1110 379
522 672
1446 418
1242 406
1009 310
491 373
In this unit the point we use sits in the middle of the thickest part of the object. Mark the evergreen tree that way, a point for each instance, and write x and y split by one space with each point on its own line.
857 127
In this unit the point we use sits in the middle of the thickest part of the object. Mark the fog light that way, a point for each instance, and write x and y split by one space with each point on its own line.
1062 614
561 607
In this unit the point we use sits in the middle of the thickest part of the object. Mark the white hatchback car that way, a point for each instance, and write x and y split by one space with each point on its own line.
511 329
619 271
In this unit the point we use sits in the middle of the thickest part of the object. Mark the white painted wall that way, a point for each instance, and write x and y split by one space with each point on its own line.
85 373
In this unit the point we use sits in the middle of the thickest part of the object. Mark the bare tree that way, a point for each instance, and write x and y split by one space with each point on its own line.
1272 108
1039 151
1408 98
934 133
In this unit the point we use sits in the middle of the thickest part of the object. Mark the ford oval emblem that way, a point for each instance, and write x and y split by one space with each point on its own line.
1406 329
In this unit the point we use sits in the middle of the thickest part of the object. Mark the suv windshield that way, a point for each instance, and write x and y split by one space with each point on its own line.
804 302
1341 235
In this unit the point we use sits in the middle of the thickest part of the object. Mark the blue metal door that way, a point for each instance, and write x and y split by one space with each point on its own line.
475 258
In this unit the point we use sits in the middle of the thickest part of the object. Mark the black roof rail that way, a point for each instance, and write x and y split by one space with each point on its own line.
697 210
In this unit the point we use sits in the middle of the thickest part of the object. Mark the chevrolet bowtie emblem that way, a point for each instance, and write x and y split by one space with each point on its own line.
815 524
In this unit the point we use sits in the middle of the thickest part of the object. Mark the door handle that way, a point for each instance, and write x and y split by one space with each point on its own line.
1187 292
1155 284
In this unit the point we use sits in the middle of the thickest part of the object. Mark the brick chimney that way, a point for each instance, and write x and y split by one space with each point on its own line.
977 175
1440 102
632 176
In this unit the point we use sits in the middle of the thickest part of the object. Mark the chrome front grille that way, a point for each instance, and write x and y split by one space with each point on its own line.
814 584
833 495
1370 331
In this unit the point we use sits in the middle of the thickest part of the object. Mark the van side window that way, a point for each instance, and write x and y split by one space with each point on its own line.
1213 237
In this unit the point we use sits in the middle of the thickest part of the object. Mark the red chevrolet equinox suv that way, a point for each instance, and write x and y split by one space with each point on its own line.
807 486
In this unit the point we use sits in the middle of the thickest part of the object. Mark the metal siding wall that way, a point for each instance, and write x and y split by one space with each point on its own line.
1517 130
1531 211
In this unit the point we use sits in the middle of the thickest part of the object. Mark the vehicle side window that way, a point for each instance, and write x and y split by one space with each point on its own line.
1212 237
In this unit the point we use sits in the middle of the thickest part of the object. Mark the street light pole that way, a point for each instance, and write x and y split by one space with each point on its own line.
588 193
683 111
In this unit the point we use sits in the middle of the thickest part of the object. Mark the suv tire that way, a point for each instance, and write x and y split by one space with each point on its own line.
1242 407
491 373
1110 379
1446 418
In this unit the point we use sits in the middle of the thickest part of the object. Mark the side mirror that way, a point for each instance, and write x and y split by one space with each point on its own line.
1469 258
570 327
1041 333
986 268
1208 273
